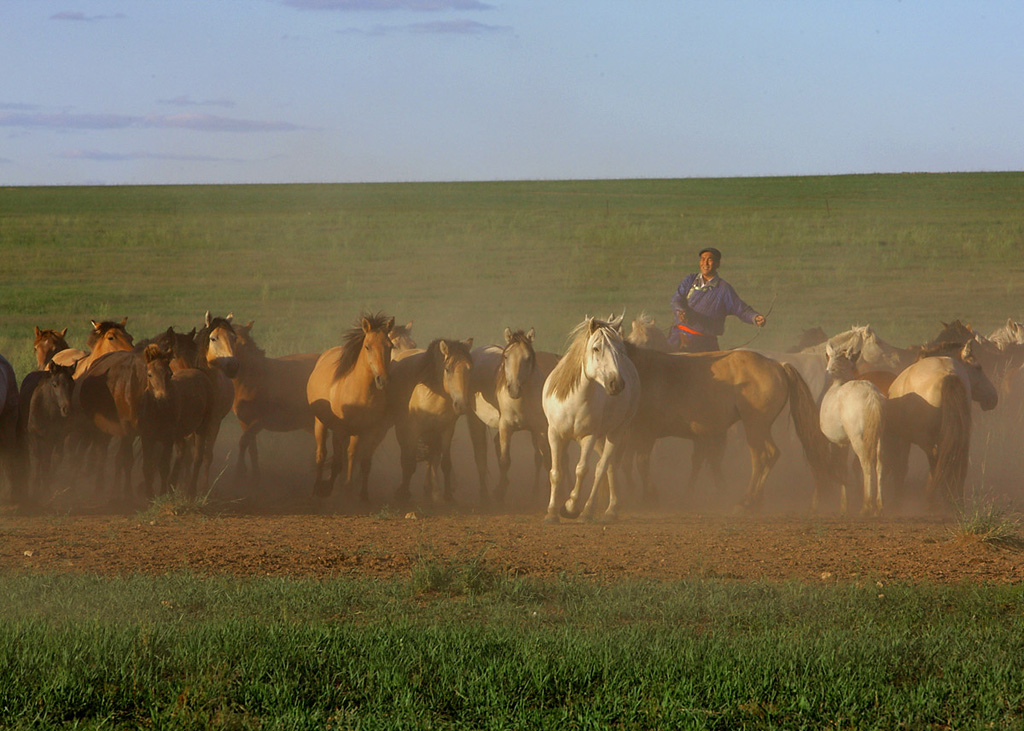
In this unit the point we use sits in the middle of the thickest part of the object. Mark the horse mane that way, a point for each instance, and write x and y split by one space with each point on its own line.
354 339
101 329
432 368
245 341
566 375
518 336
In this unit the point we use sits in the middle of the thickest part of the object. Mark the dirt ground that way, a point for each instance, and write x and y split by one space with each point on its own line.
279 530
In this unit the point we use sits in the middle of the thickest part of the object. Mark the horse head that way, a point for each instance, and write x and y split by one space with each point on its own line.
377 346
604 354
109 336
456 363
219 340
62 381
158 372
48 342
841 365
401 337
982 389
518 361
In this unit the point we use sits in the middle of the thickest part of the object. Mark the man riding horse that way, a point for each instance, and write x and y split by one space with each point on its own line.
702 303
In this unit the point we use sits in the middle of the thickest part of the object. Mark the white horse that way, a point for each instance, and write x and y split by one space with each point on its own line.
590 397
875 353
852 415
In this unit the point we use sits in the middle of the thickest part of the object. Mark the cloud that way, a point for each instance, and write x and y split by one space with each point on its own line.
441 27
68 15
416 5
100 156
185 101
17 107
196 122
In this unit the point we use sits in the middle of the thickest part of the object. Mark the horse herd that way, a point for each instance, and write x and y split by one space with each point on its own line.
614 395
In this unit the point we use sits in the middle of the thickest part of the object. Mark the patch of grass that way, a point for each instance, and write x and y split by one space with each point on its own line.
987 522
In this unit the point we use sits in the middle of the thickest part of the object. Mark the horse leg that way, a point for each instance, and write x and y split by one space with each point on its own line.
478 438
764 453
602 472
320 435
445 459
200 449
504 458
643 451
407 444
557 446
339 462
572 508
541 458
244 440
351 456
368 447
867 458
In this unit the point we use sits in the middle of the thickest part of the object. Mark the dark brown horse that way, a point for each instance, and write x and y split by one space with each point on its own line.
176 412
270 394
347 394
10 457
45 423
429 391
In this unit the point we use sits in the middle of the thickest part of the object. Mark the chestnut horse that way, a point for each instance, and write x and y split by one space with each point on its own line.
270 393
930 406
105 337
428 393
47 343
507 385
176 411
346 393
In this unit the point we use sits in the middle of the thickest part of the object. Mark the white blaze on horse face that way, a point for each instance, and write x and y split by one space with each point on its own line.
601 362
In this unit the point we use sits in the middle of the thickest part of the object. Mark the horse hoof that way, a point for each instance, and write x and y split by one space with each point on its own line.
551 519
565 512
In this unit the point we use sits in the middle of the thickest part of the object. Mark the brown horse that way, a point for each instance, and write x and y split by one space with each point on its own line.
105 337
214 356
699 396
428 393
45 422
645 334
47 343
270 394
176 411
507 385
10 408
930 406
347 394
108 395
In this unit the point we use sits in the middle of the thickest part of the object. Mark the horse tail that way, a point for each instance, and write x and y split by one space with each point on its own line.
819 451
953 445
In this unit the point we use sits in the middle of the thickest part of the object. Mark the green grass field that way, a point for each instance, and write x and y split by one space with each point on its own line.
900 252
467 646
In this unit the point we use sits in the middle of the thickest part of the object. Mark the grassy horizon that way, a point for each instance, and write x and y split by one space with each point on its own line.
900 252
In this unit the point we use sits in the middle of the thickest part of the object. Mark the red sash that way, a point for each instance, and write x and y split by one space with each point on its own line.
689 330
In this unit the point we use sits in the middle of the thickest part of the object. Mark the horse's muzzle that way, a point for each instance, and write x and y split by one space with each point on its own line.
515 390
615 387
381 382
229 366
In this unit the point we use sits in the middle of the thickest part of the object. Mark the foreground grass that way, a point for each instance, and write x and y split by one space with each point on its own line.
465 646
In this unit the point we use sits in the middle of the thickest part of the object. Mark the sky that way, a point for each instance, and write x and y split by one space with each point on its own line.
292 91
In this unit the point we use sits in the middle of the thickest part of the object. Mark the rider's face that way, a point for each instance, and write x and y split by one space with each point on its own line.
708 265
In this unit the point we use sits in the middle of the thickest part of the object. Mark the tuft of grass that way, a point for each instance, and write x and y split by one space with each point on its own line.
990 524
176 503
473 577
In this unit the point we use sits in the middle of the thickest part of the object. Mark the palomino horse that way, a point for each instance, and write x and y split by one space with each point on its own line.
428 393
875 353
1012 333
699 396
930 406
105 337
590 396
851 415
44 424
270 394
215 356
645 334
507 385
176 409
47 343
346 393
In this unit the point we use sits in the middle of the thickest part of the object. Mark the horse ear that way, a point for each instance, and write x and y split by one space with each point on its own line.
63 332
124 322
230 317
365 324
209 318
389 325
408 326
830 350
529 335
169 331
38 331
193 333
443 347
248 325
95 325
152 352
469 343
593 324
508 335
